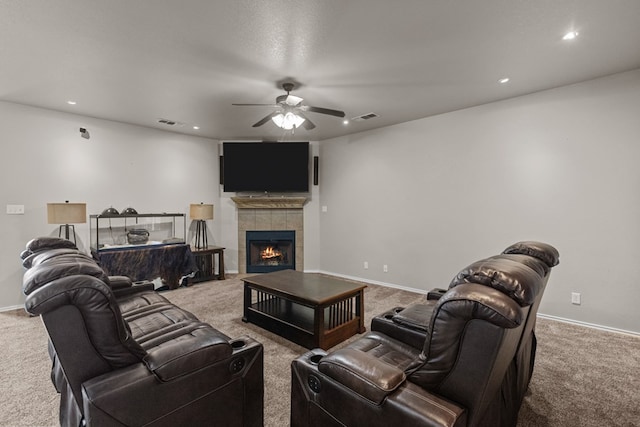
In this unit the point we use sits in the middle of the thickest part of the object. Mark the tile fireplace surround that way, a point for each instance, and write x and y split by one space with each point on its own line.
268 214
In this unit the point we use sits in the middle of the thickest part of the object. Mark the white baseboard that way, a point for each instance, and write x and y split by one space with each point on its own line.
374 282
11 308
588 325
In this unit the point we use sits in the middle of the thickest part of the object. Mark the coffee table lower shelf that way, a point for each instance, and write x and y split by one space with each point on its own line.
295 322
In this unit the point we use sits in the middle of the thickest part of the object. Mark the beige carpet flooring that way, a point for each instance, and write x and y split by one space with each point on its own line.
583 377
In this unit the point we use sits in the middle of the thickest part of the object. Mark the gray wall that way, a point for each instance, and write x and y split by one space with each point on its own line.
430 196
44 159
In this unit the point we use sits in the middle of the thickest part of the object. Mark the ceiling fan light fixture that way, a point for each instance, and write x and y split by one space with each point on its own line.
570 35
287 120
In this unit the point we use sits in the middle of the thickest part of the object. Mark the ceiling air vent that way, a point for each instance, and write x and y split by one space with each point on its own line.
170 122
364 117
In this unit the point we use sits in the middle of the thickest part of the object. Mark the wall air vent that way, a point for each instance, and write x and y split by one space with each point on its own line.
364 117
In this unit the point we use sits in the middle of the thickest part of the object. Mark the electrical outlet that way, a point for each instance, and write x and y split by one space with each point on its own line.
575 298
15 209
366 265
385 268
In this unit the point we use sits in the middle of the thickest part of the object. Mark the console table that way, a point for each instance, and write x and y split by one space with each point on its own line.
206 262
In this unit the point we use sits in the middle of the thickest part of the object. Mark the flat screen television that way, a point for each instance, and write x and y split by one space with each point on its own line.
265 166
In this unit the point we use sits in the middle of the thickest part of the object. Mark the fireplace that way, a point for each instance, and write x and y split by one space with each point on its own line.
270 214
270 250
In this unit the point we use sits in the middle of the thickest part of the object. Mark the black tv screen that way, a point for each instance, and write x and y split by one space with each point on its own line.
266 166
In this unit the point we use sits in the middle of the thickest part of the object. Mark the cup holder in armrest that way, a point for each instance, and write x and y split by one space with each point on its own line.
315 358
389 315
238 344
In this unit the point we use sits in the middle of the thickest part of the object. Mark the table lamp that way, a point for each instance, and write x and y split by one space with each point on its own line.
201 213
67 214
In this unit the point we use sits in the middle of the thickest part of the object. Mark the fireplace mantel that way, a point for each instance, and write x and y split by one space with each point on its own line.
269 202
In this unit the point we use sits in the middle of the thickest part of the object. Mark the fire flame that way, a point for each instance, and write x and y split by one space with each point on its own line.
269 252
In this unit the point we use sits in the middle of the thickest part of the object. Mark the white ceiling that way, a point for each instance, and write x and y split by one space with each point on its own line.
189 60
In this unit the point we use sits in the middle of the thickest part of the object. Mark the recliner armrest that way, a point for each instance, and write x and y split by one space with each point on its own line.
362 373
135 396
192 351
415 316
404 405
120 282
408 325
385 324
123 286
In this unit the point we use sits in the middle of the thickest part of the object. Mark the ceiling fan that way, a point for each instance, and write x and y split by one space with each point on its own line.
290 111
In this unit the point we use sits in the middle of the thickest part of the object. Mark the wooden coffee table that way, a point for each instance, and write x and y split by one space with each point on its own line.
307 308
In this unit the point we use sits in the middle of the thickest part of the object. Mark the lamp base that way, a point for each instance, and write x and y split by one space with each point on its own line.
201 234
69 229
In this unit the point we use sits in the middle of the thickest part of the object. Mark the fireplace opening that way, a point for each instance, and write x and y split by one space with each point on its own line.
271 251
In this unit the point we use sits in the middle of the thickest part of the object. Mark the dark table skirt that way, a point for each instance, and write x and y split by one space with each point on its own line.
169 262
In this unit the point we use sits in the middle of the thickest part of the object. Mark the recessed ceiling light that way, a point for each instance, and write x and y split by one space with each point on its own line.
71 102
570 35
503 80
345 122
196 127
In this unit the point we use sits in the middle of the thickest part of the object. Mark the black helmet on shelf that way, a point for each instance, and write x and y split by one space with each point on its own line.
110 212
129 211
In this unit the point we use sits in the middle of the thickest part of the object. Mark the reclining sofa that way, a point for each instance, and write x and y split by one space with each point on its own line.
123 355
463 357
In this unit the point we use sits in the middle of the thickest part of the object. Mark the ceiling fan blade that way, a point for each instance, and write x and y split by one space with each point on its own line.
328 111
307 124
265 119
257 105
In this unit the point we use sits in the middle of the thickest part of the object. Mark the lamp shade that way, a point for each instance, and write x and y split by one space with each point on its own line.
201 211
66 213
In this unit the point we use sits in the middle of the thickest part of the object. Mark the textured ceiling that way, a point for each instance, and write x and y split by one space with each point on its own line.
188 61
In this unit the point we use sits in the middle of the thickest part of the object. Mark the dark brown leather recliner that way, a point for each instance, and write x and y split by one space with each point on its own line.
135 359
522 272
459 360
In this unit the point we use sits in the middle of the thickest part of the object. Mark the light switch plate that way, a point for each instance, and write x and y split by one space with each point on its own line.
15 209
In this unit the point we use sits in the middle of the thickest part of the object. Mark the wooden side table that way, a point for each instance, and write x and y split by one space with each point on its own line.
206 263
